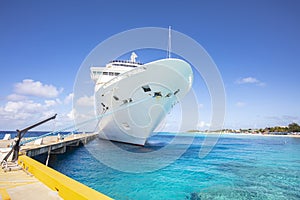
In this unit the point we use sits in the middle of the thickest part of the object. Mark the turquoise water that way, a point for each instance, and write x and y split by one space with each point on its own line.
238 167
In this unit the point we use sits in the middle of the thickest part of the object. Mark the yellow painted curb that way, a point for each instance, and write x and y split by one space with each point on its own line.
4 194
66 187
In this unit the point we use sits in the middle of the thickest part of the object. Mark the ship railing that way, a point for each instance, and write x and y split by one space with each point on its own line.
124 75
125 61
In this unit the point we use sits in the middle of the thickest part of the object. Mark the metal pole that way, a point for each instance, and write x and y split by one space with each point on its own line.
16 148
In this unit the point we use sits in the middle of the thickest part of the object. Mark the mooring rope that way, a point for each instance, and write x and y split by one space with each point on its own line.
81 124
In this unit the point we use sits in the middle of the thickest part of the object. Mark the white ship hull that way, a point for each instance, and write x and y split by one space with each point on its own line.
134 103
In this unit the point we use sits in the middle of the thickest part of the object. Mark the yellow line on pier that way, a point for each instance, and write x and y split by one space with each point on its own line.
35 181
4 194
66 187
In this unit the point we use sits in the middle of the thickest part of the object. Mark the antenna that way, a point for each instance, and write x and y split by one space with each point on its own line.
169 43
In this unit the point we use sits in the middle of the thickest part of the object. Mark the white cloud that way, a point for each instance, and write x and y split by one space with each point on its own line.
85 101
240 104
32 101
71 114
36 88
200 106
202 124
250 80
247 80
14 114
69 98
16 97
261 84
20 110
81 116
84 120
50 103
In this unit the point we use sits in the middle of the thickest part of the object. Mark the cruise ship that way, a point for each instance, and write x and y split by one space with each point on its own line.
133 98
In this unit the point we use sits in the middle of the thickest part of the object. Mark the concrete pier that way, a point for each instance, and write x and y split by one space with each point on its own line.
33 180
21 185
55 144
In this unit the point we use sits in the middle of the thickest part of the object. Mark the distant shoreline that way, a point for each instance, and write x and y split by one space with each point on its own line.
246 134
268 135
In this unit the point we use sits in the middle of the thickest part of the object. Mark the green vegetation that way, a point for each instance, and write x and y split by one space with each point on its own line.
193 131
291 128
294 127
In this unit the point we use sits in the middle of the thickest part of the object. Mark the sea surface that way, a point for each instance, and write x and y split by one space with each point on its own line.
237 167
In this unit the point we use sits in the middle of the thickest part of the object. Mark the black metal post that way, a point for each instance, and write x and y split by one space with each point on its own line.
16 148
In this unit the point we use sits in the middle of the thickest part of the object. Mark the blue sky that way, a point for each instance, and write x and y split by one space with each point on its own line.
255 45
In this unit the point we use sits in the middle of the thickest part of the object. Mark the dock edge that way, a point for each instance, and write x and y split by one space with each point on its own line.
66 187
